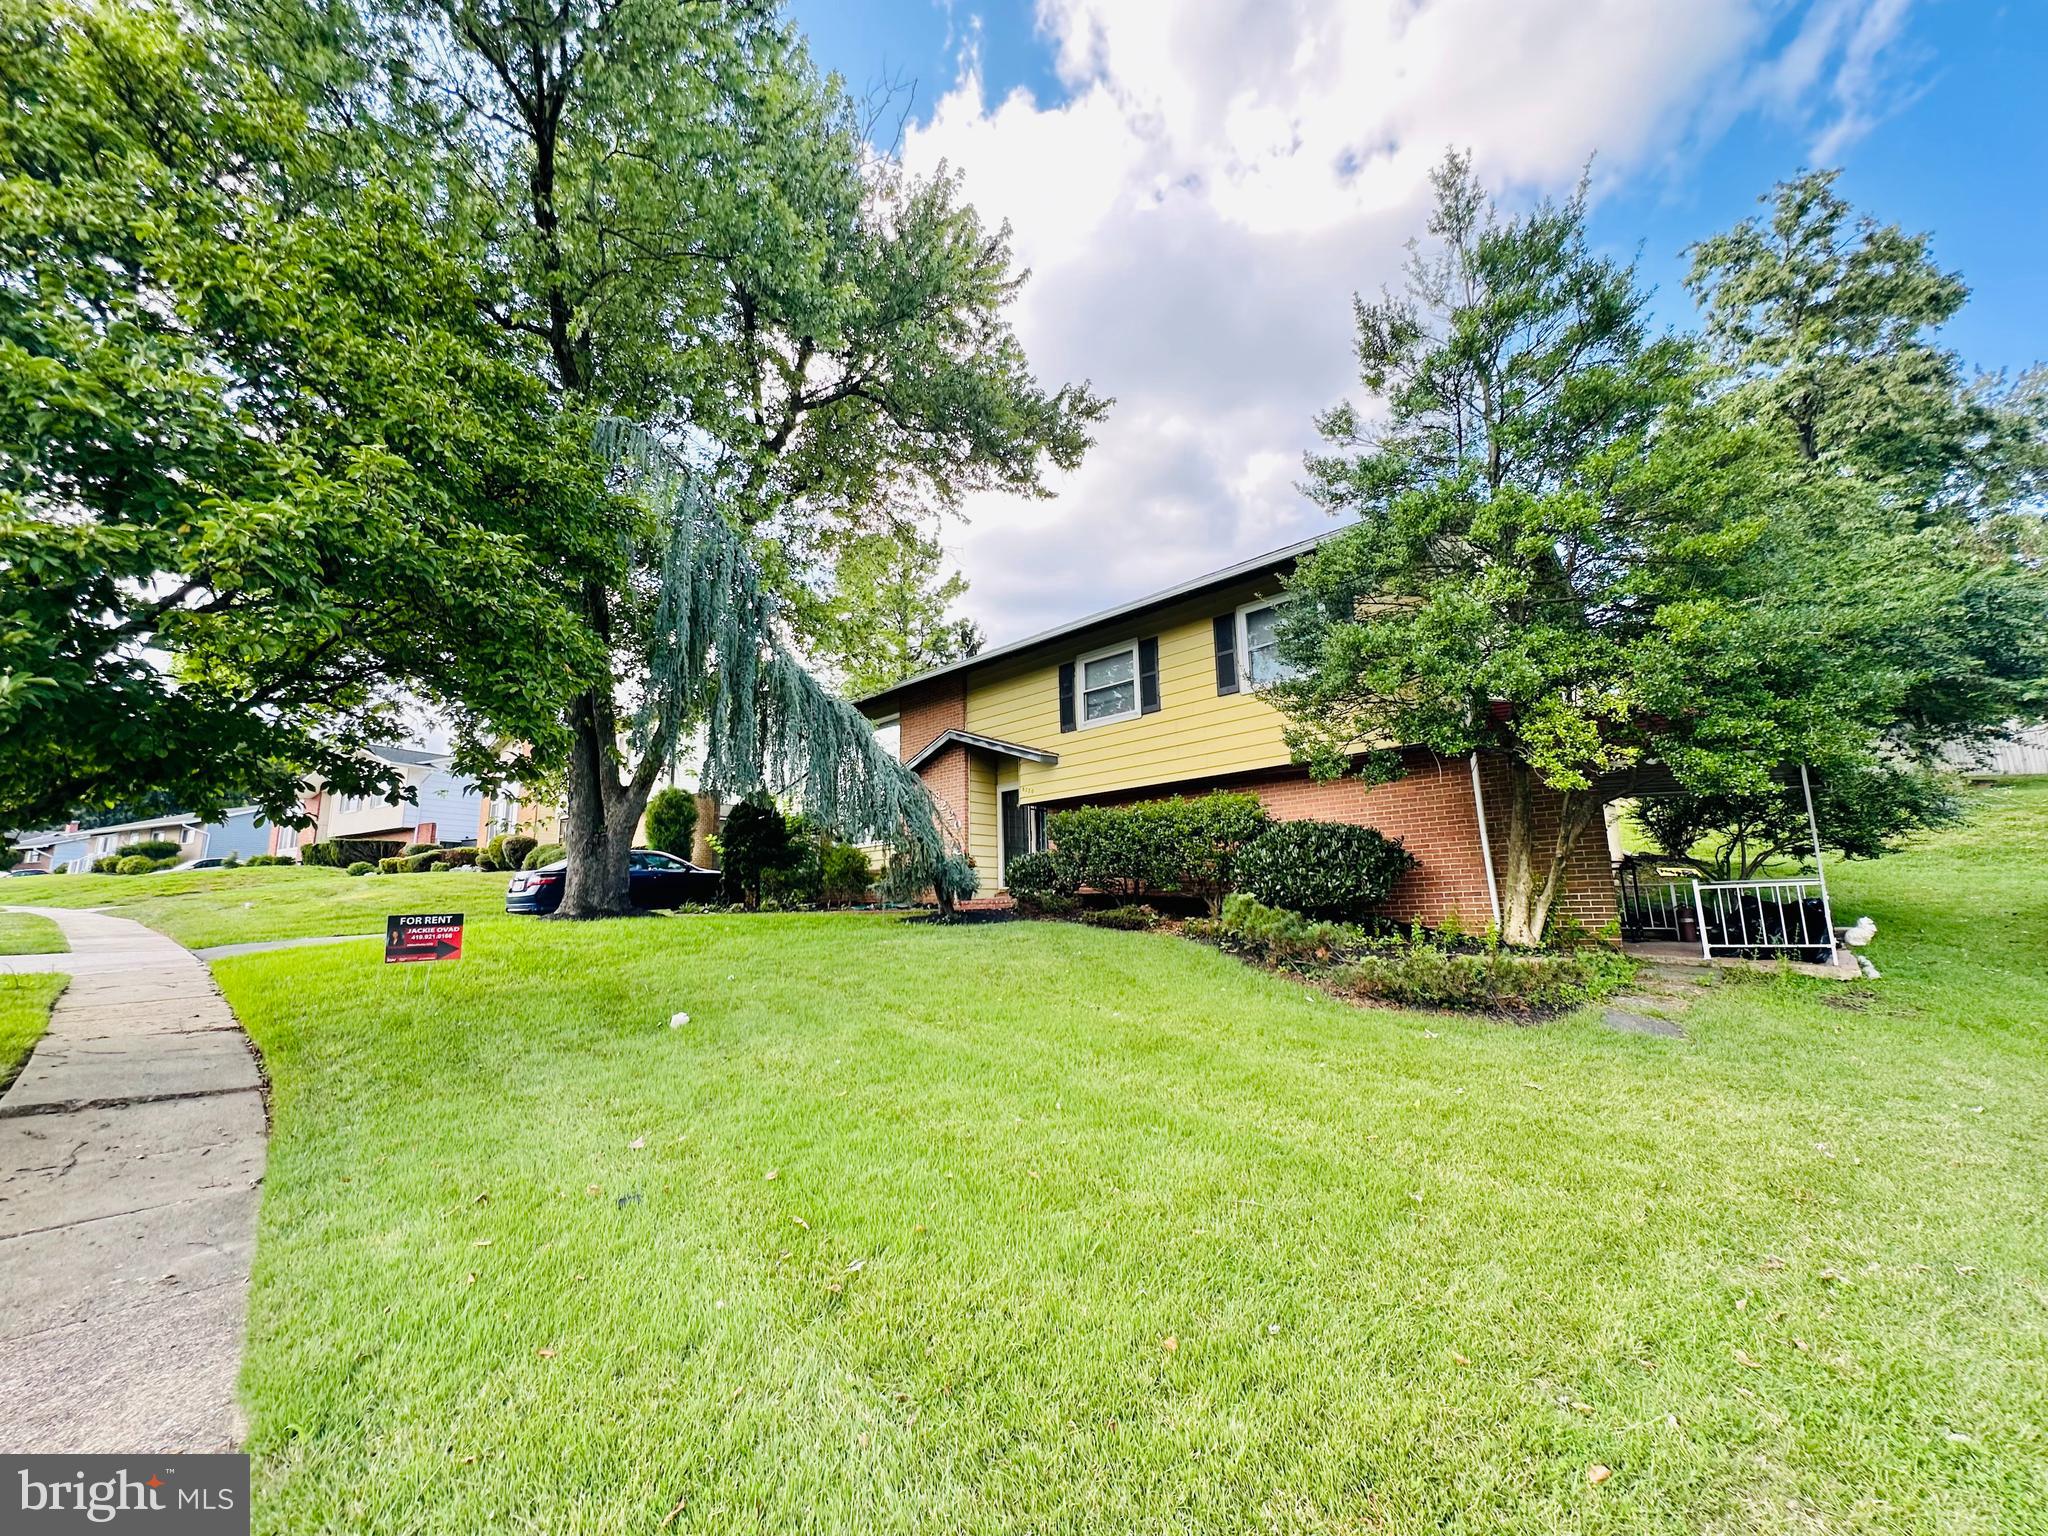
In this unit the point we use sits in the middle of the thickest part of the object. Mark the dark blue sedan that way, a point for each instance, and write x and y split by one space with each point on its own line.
658 880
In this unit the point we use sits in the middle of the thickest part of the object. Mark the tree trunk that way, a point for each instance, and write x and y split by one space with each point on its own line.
602 816
1526 899
702 854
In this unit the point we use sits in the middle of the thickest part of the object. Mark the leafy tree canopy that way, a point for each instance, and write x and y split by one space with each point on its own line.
685 229
261 471
1583 548
887 614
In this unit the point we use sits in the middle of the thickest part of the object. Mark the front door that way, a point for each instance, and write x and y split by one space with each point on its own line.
1016 829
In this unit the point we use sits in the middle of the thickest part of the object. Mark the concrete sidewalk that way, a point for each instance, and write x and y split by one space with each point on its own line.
131 1155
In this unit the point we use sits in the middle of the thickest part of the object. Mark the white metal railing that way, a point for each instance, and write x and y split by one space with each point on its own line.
1738 917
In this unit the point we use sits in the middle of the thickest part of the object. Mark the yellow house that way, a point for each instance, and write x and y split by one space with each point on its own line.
1163 696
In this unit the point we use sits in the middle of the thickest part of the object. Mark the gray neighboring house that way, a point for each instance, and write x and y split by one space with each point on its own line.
54 850
240 832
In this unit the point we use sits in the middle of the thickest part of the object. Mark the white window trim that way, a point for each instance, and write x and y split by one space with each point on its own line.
1244 645
1081 720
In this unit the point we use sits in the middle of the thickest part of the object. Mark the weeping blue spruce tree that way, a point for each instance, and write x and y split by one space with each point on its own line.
718 666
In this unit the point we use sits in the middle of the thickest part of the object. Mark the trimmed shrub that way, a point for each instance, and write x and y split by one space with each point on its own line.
1129 919
672 821
847 876
1321 868
458 858
153 848
339 853
753 841
1113 847
1037 880
106 864
171 862
1277 936
416 863
1494 981
540 856
391 866
362 867
512 850
1195 842
413 850
134 864
436 866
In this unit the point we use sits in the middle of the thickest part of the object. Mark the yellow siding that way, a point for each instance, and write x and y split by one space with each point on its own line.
981 820
1196 732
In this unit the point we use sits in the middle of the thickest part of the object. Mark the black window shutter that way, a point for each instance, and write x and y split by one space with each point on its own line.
1226 653
1148 675
1066 695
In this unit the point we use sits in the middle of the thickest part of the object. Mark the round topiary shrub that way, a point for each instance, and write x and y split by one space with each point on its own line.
134 864
362 867
458 858
540 857
1321 868
514 849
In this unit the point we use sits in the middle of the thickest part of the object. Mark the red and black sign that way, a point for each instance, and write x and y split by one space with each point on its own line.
422 936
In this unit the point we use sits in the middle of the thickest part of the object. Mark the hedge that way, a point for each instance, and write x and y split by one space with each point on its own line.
458 858
1321 868
340 853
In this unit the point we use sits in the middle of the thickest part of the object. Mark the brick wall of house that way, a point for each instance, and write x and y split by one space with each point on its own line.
940 705
1430 810
924 714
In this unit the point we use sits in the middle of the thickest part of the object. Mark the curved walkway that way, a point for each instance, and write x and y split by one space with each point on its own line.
131 1154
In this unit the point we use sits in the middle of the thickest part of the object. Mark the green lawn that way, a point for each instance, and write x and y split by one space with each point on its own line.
24 1015
1036 1227
23 933
202 907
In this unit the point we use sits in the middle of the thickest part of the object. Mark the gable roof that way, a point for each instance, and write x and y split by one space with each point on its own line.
945 739
408 757
1257 565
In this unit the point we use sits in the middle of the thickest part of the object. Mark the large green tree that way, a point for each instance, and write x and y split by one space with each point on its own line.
887 613
685 228
1824 325
1488 596
1582 549
263 475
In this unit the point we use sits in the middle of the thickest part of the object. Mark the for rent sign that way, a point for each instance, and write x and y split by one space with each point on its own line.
412 936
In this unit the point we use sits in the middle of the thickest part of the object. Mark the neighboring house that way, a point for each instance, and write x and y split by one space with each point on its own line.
1161 696
445 807
240 832
54 850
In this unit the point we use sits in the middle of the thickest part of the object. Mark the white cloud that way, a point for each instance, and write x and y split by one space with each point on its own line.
1224 174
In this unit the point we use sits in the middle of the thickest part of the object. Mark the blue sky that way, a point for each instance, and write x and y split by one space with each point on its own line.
1184 177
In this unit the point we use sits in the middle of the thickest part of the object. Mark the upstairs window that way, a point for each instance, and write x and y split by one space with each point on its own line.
1258 644
889 733
1109 685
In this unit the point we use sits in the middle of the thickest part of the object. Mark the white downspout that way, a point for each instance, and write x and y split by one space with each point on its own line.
1486 844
